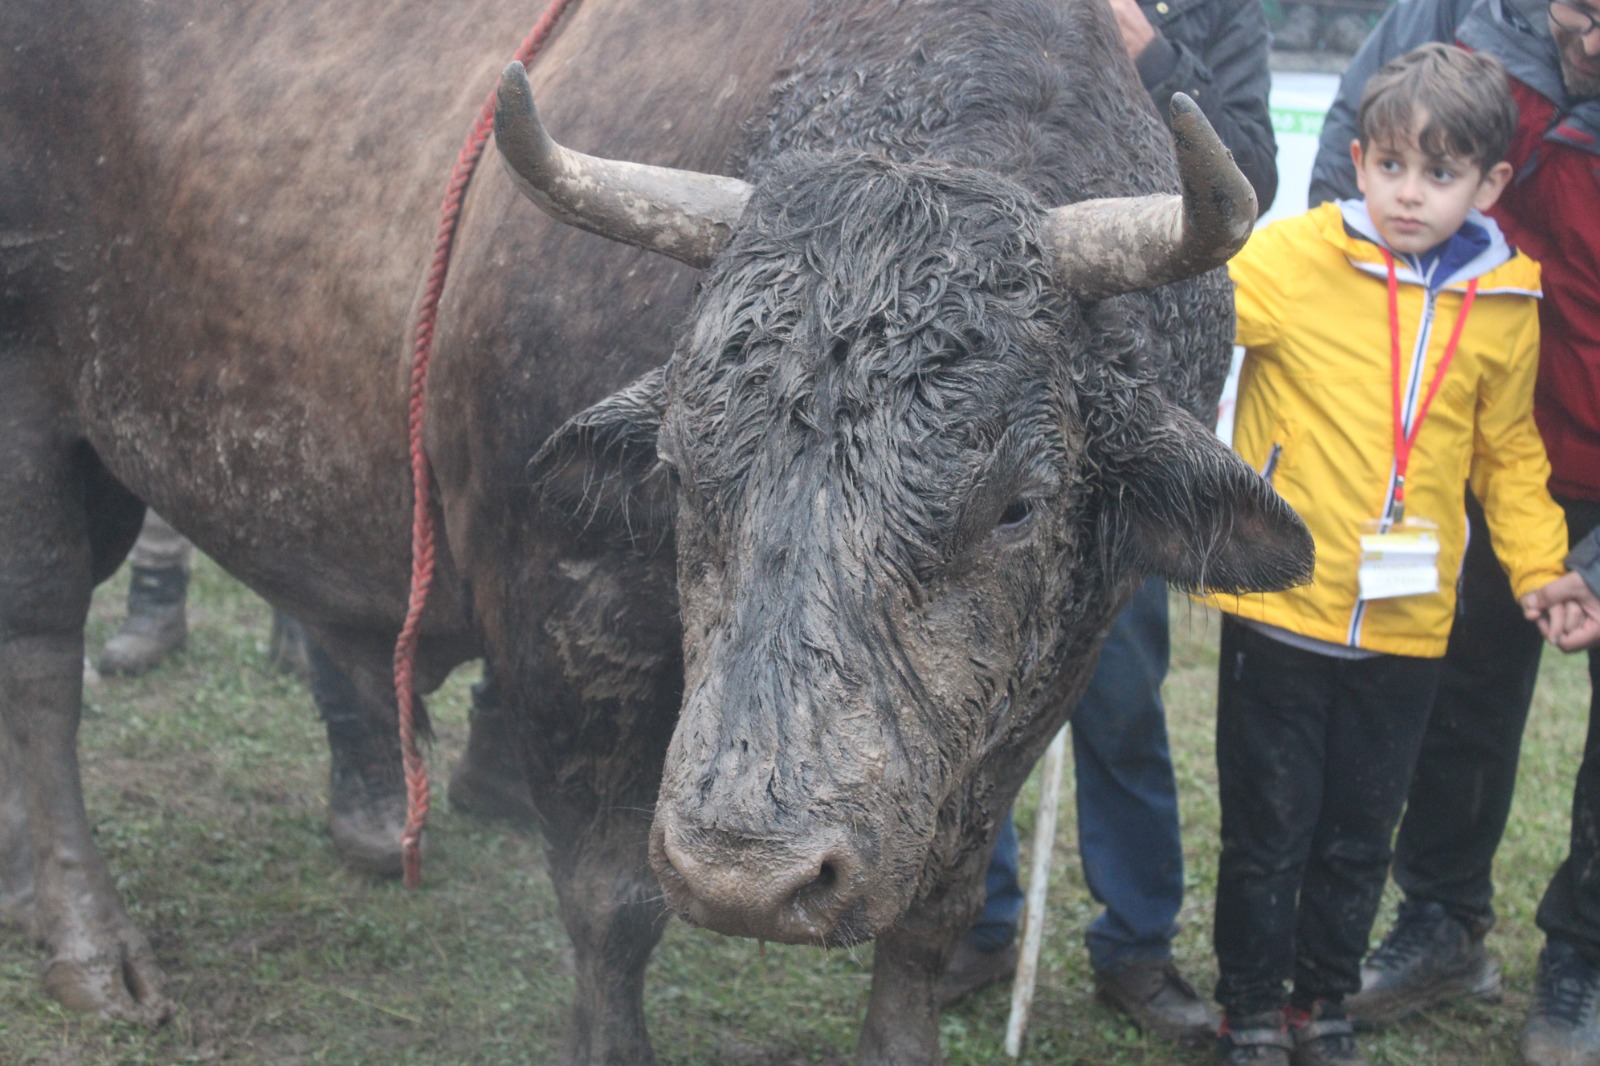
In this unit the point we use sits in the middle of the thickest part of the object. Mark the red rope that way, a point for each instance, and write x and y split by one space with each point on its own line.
422 559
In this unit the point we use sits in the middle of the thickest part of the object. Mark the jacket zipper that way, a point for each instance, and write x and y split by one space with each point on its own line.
1419 364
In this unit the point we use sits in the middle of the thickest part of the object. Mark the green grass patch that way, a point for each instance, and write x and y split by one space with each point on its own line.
207 784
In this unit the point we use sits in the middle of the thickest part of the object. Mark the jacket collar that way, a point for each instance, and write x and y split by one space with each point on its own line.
1473 251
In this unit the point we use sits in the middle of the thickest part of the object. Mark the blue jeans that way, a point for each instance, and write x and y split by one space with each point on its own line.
1128 835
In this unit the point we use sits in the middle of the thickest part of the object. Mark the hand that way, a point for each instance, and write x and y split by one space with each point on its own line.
1567 612
1137 33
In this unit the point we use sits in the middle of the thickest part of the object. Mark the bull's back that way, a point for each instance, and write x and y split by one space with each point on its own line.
242 198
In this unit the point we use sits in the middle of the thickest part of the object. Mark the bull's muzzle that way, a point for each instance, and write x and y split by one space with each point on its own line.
806 888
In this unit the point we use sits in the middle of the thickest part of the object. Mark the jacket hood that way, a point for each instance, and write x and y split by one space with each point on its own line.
1463 258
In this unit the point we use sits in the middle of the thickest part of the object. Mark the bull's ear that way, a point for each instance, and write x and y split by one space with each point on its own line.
601 468
1181 504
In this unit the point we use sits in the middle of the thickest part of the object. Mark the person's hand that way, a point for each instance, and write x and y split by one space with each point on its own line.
1137 33
1567 612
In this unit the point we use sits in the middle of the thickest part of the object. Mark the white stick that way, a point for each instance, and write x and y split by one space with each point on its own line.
1044 839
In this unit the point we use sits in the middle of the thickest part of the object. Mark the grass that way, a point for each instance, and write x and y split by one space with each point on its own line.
206 781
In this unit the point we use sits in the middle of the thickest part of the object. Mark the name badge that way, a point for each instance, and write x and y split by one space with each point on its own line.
1398 559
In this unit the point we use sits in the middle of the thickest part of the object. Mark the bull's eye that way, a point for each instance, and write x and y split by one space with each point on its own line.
1014 516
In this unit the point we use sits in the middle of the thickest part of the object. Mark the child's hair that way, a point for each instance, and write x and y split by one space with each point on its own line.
1464 94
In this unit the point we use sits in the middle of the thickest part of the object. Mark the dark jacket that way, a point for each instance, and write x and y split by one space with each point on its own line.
1216 51
1548 210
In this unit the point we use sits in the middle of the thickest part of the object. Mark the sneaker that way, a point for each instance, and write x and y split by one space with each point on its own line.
1562 1029
1323 1036
1427 959
1254 1040
1154 994
972 968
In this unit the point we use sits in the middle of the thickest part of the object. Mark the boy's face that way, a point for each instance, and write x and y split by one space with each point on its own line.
1418 200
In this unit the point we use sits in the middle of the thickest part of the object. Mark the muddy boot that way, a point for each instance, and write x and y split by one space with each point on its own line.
366 784
156 624
286 648
489 781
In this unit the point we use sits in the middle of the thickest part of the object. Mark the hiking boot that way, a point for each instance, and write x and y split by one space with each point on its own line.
156 624
972 968
1323 1036
1154 994
1254 1040
1562 1029
1427 959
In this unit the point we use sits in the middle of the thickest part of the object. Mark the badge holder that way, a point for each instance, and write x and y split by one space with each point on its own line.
1398 558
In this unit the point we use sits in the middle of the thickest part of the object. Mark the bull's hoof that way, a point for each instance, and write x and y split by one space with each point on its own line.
124 985
368 841
486 794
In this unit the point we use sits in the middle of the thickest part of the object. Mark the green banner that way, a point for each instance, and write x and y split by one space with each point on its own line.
1295 120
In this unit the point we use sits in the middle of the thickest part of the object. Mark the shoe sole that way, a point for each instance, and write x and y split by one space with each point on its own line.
1483 986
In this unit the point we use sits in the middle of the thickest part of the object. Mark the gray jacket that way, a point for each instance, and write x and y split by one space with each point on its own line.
1585 559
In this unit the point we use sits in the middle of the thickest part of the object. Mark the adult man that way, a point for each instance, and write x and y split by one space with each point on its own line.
1461 793
1215 51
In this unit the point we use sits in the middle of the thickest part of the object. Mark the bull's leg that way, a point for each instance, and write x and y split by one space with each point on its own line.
366 784
97 960
16 850
902 1023
594 703
613 911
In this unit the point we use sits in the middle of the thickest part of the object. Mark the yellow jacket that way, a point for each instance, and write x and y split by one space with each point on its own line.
1315 413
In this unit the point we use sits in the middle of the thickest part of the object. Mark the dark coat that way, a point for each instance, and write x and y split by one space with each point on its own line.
1216 51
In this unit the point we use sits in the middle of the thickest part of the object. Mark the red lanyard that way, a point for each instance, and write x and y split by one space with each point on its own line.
1404 441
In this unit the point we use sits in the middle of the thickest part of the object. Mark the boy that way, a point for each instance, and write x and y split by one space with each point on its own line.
1391 345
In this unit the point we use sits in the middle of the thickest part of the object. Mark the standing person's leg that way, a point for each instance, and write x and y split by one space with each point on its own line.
158 589
1373 733
1128 828
1564 1020
1272 705
1459 801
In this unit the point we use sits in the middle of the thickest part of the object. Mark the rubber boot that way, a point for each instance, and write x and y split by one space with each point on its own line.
156 624
286 648
490 781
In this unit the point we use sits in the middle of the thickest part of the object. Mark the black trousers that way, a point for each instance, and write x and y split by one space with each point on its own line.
1467 770
1314 756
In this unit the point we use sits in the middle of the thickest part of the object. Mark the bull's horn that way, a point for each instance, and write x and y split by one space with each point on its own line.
1110 246
680 213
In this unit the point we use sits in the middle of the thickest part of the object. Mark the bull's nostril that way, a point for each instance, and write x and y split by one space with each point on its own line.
825 876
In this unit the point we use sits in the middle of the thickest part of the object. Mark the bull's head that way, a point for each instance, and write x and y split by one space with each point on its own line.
910 478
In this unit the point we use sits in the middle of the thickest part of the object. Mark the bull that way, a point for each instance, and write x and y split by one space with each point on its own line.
780 597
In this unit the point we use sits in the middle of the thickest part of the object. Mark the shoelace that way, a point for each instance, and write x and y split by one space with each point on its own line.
1567 990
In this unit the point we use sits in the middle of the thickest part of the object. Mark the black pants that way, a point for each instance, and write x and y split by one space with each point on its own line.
1314 755
1466 773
